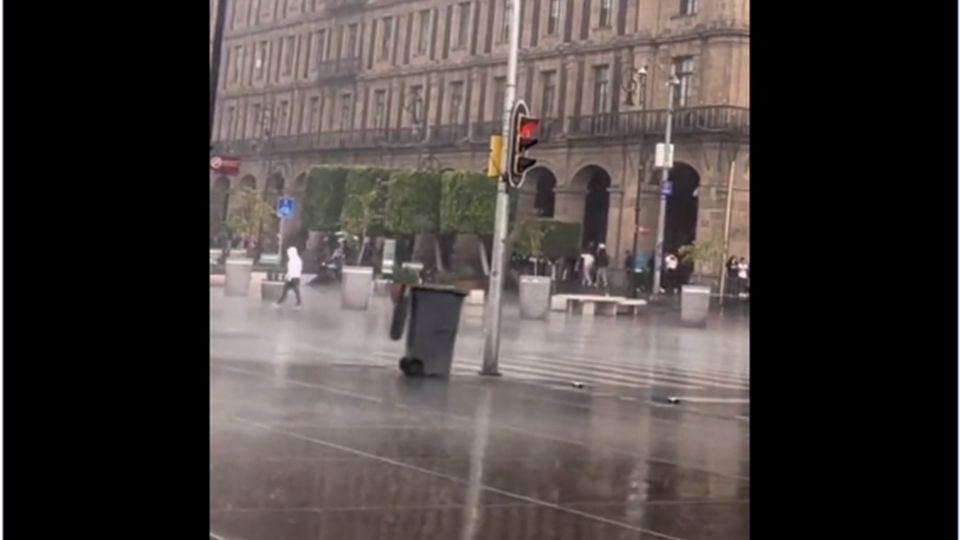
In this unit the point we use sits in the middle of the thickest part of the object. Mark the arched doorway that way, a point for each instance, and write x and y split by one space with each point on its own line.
545 200
248 182
680 223
219 200
596 203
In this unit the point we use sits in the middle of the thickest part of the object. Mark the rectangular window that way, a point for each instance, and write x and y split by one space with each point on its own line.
423 34
283 118
683 69
689 7
507 14
606 6
601 89
237 60
385 37
499 92
254 127
228 123
379 109
553 18
463 26
346 112
288 45
549 93
314 118
456 103
352 41
321 46
260 60
415 105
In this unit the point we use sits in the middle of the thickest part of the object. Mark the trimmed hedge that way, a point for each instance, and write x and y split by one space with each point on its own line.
324 198
361 182
413 203
468 203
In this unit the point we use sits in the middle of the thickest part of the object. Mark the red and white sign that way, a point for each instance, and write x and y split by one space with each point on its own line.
225 165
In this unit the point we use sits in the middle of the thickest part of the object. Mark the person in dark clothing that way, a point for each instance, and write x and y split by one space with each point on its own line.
631 277
733 284
603 261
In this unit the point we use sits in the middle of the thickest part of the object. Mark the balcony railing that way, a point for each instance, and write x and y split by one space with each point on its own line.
728 121
339 67
345 5
720 120
448 134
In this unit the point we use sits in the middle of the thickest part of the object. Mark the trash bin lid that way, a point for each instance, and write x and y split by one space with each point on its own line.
440 288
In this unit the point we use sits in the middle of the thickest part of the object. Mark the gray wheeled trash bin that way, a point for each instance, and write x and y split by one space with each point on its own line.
434 318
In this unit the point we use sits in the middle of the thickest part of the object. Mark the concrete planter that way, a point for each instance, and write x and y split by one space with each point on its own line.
270 291
475 297
381 287
534 297
238 277
355 285
694 304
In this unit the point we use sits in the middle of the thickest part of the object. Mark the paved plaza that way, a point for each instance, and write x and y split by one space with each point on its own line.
598 429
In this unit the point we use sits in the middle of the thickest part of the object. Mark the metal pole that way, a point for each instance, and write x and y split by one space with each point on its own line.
215 59
726 229
662 216
631 275
491 327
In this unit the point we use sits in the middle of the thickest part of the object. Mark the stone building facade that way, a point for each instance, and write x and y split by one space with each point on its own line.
419 83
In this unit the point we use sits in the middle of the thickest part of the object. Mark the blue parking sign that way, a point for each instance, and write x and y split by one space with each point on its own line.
666 188
285 207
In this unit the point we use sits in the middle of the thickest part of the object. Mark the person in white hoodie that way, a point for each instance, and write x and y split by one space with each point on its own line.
294 269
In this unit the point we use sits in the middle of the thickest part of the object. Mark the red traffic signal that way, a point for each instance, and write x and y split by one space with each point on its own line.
524 140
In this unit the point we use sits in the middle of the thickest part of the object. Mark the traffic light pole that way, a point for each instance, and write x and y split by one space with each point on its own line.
491 326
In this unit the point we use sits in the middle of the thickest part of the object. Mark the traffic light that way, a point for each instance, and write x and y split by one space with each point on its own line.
494 162
522 126
523 140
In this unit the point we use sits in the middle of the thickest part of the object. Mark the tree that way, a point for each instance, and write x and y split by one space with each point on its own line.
363 210
250 213
706 255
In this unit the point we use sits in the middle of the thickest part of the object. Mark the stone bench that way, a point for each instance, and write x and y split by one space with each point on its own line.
631 306
588 304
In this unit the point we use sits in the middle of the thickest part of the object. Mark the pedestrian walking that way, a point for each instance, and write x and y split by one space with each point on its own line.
733 281
670 276
586 268
603 261
743 277
294 270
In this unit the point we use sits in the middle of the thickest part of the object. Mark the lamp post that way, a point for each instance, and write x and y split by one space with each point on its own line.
635 82
664 176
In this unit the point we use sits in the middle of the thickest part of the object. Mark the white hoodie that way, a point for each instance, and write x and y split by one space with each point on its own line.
294 264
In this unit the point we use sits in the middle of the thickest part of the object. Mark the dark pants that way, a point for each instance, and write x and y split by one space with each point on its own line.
293 284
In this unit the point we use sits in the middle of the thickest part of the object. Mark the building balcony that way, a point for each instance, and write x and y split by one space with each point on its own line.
718 121
338 68
340 6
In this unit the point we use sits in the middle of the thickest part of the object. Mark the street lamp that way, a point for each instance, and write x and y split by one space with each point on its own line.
634 82
672 82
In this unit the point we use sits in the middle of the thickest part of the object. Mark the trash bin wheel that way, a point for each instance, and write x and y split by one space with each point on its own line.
411 367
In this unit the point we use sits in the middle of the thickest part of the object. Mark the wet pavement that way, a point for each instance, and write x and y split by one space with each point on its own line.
316 435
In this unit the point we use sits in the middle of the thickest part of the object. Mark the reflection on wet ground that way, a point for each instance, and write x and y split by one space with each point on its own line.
315 435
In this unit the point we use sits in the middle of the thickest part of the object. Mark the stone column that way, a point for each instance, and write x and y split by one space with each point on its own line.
569 203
